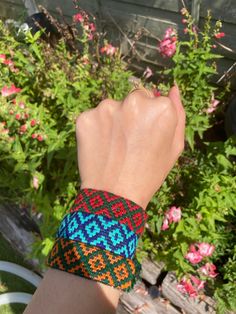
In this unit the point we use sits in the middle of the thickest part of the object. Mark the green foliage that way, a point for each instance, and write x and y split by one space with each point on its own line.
194 66
37 124
38 146
203 182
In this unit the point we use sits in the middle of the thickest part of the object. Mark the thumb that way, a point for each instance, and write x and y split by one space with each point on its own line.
174 96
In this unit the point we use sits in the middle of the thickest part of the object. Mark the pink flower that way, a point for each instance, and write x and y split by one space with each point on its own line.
185 286
208 270
23 128
17 116
198 283
92 27
34 135
21 105
167 46
174 214
147 73
11 111
33 122
90 37
194 257
184 21
170 32
7 91
8 62
2 57
213 105
156 92
40 138
191 286
219 35
165 224
78 18
35 183
185 31
206 249
108 49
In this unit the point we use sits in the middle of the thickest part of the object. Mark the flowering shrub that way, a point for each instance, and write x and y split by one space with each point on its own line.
192 220
43 89
191 224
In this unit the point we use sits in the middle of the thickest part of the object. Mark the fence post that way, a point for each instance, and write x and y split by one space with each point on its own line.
195 11
31 7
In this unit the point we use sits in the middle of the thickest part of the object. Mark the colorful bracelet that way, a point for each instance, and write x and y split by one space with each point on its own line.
98 238
100 231
94 263
112 206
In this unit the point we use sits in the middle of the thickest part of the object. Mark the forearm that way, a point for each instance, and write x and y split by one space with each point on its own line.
61 293
126 148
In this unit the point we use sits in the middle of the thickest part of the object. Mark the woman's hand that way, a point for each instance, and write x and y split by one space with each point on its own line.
128 147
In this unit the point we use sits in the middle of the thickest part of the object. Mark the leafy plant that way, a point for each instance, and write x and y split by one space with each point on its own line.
43 89
192 218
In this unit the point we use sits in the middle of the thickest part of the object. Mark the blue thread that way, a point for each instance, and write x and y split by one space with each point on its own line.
99 231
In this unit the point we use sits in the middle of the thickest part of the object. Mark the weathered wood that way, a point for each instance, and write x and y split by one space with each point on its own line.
120 309
195 11
189 305
67 7
224 10
140 301
151 270
15 228
169 5
11 10
30 6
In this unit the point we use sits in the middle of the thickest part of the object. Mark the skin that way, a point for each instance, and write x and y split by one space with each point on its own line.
128 148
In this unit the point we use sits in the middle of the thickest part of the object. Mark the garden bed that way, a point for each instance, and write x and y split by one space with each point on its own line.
45 85
152 295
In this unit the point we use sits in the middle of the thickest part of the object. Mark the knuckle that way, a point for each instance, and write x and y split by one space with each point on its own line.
134 104
104 105
180 147
84 120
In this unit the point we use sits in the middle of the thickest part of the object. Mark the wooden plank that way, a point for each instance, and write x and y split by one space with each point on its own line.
195 10
15 227
31 6
11 10
121 309
229 39
12 2
224 10
67 7
140 301
189 305
151 270
138 11
168 5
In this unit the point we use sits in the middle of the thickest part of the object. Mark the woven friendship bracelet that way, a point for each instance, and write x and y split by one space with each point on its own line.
99 231
94 263
112 206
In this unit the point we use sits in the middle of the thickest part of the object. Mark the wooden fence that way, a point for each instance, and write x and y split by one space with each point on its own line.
123 19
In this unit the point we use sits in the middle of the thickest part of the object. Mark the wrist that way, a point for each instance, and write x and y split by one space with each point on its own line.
124 191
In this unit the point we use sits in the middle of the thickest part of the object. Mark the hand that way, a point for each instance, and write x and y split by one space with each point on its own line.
128 147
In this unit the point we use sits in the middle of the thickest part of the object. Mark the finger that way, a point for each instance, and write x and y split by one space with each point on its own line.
175 97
